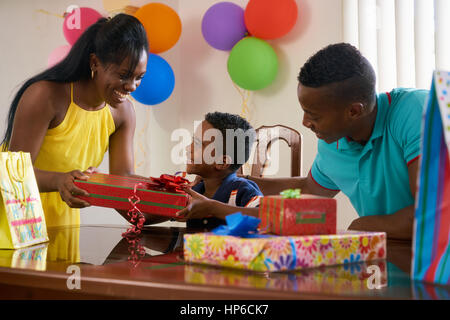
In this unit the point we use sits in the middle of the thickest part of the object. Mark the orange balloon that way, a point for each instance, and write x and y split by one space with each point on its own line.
162 24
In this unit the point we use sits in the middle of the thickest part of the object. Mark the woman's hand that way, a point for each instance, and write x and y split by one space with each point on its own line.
69 191
91 170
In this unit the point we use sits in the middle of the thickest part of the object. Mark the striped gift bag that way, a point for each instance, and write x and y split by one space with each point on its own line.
431 247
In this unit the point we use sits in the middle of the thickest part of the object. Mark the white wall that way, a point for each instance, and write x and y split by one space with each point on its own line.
202 82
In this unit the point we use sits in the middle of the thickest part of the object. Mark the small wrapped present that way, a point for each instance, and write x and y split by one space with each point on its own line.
293 214
248 250
160 196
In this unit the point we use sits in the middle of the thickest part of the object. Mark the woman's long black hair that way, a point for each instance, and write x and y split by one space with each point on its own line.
111 40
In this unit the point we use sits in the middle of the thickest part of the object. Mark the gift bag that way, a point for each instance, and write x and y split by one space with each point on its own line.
22 220
431 248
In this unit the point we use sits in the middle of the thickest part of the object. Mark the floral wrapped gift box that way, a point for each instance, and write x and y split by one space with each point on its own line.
283 253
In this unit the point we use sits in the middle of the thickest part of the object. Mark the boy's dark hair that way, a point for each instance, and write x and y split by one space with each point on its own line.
344 65
243 136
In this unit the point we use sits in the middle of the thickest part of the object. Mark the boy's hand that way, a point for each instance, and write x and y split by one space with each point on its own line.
199 207
196 181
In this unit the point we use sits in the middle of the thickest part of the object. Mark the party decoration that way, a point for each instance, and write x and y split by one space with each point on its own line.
270 19
57 55
223 25
252 64
239 225
157 84
291 193
77 21
162 24
115 6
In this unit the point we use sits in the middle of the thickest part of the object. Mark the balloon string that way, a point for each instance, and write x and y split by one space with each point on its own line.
245 113
245 95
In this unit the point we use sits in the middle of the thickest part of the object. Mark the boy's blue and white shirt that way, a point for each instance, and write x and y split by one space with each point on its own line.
233 191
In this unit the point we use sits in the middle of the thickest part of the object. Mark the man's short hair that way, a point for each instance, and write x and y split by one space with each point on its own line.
344 65
236 132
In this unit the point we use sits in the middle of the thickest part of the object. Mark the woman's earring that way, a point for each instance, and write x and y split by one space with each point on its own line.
92 74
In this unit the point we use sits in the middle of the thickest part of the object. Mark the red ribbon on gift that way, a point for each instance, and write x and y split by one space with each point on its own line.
171 183
136 250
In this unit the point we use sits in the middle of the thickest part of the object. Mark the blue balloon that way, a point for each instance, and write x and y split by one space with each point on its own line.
158 82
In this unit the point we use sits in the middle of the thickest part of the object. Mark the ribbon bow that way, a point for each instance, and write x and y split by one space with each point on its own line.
240 225
291 193
171 183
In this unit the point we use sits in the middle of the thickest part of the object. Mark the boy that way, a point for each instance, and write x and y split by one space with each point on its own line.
221 145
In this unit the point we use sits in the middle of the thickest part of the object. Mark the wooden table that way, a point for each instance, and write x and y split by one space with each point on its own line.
101 258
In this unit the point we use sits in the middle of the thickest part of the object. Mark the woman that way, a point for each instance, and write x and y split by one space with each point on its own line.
69 115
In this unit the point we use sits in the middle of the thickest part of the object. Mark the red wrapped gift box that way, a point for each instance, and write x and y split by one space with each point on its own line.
159 196
307 215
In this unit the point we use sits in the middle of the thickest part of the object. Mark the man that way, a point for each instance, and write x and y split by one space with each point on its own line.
368 143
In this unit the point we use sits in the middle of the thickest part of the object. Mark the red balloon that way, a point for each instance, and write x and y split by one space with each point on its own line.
270 19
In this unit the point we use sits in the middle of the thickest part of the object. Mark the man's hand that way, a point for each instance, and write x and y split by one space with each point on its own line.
198 207
398 225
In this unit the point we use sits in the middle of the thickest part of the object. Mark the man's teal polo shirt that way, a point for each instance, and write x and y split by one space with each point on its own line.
375 176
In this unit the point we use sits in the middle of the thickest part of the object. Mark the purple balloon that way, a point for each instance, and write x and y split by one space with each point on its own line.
223 25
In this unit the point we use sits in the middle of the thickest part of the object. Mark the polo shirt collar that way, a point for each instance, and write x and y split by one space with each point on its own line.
220 191
378 130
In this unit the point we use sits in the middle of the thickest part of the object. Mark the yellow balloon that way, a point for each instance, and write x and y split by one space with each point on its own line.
162 24
115 6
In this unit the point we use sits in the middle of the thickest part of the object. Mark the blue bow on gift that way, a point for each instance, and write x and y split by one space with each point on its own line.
240 225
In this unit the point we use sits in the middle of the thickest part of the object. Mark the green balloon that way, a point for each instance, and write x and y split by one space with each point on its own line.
252 64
